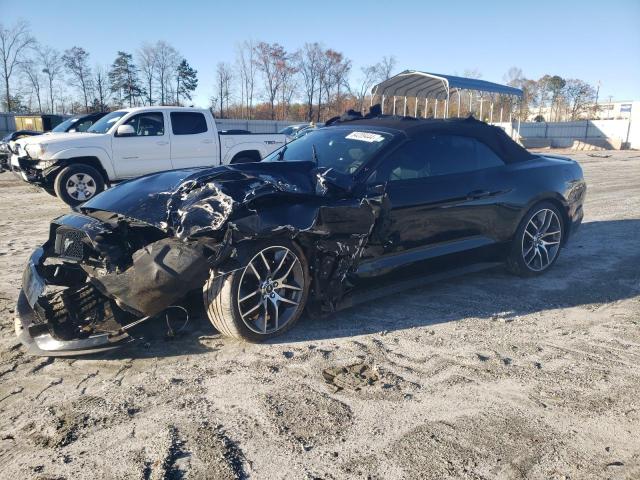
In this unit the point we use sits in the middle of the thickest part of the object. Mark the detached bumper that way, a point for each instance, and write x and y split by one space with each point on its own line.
35 334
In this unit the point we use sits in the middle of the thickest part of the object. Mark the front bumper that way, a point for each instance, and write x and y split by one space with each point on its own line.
35 334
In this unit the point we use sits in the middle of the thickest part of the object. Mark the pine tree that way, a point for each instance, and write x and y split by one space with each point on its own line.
187 81
123 78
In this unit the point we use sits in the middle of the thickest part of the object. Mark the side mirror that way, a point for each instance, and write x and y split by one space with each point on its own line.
72 130
125 131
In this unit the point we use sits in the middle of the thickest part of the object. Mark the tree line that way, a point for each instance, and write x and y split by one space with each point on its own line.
265 81
41 79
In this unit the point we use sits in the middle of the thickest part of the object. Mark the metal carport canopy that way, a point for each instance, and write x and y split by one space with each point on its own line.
413 83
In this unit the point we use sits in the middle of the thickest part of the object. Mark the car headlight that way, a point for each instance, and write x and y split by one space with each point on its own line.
36 150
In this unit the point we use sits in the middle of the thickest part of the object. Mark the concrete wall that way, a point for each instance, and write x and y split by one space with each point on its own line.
254 126
564 134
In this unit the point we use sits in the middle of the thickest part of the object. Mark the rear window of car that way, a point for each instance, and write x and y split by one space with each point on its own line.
188 123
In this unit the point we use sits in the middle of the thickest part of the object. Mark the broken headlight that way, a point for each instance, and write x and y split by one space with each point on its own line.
36 150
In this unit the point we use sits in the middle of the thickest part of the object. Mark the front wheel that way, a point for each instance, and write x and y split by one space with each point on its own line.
536 244
76 184
263 299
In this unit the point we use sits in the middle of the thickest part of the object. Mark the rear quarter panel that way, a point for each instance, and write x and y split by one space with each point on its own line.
522 185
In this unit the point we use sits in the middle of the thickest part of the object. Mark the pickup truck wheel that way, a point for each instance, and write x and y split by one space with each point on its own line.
76 184
264 298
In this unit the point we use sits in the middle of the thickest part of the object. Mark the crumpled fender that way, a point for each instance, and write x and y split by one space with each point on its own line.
162 273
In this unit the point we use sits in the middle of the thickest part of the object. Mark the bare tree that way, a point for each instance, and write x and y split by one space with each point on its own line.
148 66
102 87
309 60
31 71
76 61
223 80
338 68
167 59
286 71
368 77
386 67
247 69
14 42
268 56
52 67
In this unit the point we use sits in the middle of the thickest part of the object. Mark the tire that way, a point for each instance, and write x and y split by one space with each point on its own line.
80 175
229 299
537 242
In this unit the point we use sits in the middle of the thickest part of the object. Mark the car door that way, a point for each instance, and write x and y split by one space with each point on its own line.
433 201
147 150
193 143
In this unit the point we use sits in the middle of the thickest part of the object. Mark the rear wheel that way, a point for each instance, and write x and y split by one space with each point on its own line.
76 184
262 300
536 244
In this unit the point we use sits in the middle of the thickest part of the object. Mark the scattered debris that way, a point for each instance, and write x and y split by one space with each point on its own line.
352 377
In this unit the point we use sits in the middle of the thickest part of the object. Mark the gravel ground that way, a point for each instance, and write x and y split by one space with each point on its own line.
486 376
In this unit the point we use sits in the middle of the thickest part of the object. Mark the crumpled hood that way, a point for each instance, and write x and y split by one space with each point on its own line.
56 139
199 200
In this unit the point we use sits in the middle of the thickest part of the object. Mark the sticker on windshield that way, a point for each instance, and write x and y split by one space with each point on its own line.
365 137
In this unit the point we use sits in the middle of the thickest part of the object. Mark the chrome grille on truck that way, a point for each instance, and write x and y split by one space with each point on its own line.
69 244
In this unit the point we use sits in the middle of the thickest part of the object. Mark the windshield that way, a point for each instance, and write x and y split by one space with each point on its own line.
105 123
343 149
65 125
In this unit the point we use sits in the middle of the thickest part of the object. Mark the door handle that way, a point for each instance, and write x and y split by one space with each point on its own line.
476 194
162 143
208 140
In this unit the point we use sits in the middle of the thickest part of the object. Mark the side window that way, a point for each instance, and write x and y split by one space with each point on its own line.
485 157
188 123
429 156
82 127
148 124
450 154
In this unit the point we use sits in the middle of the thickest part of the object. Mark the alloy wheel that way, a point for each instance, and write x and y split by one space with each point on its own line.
541 240
81 186
270 290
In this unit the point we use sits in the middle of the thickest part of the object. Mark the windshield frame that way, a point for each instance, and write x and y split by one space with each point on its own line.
391 138
106 119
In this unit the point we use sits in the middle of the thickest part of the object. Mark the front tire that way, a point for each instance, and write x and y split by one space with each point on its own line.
537 242
263 299
76 184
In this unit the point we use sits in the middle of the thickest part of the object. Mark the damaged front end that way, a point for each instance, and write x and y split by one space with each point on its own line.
141 247
96 278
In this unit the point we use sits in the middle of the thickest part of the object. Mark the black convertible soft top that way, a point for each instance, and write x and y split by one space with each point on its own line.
494 137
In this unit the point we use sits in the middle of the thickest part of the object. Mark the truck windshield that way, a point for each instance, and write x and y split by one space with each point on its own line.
105 123
65 125
343 149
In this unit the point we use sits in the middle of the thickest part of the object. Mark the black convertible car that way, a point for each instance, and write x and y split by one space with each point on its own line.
300 230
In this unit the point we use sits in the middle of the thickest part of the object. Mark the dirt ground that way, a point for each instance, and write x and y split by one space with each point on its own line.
486 376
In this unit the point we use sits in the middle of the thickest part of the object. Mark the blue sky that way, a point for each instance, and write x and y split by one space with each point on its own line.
591 40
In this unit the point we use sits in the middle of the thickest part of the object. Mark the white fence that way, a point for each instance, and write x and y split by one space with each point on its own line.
563 134
254 126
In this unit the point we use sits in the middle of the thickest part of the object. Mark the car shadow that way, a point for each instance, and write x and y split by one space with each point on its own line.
599 265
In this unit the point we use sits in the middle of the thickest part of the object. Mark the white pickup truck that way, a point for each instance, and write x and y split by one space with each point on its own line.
131 142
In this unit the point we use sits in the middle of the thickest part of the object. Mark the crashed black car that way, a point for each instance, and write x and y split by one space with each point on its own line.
299 230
